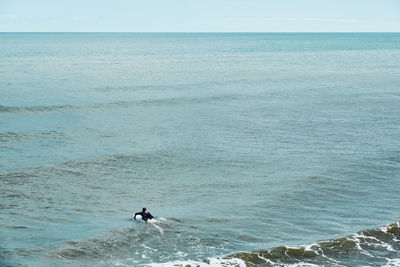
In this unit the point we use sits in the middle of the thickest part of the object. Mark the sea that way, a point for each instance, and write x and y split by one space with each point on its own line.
249 149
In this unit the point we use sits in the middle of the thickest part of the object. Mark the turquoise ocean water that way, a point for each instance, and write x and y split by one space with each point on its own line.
249 149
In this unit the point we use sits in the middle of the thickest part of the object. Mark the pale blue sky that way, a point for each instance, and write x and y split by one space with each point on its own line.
200 15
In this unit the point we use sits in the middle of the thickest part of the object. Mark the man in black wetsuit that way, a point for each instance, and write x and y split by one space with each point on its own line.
145 215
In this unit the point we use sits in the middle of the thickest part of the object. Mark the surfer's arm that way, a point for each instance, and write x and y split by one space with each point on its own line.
149 215
137 213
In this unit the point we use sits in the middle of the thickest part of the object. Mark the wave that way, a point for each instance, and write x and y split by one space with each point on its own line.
172 242
11 136
6 109
38 108
124 103
161 240
378 247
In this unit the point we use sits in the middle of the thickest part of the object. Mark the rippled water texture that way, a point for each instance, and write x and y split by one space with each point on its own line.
247 148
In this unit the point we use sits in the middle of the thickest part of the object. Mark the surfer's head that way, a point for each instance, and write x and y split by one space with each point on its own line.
144 209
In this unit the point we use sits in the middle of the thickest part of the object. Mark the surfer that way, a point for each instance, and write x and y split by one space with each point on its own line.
145 215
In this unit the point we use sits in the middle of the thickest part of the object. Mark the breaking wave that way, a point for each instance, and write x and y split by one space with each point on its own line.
378 247
171 242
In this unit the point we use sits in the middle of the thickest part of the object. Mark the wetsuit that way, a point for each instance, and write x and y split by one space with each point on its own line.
145 215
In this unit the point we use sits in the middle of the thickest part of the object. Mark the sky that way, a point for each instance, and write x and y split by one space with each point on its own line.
200 16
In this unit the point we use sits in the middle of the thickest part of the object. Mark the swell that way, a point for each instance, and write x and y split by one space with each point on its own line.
121 103
375 247
37 108
171 242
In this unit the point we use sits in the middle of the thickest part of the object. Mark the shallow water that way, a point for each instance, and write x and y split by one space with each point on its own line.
235 142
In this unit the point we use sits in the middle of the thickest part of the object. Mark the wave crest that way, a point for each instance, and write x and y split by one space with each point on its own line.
378 246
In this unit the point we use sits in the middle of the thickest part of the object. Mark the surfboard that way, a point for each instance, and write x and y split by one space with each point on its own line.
138 218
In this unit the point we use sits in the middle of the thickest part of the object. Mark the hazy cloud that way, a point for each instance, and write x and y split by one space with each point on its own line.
84 18
258 20
339 20
8 17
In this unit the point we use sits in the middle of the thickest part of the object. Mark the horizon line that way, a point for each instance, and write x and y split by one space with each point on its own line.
198 32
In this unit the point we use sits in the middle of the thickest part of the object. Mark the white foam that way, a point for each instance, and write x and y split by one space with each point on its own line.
377 243
305 264
181 254
265 259
358 242
387 246
392 263
217 262
310 247
388 227
147 247
154 223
